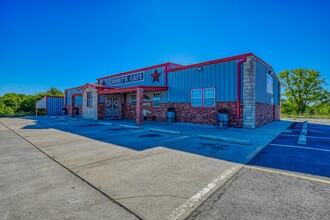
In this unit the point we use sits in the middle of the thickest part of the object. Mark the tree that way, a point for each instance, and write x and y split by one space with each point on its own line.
28 104
303 87
12 100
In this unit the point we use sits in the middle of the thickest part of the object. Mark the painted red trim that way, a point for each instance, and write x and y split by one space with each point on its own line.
134 88
166 68
97 86
50 96
137 70
238 101
76 95
211 62
224 60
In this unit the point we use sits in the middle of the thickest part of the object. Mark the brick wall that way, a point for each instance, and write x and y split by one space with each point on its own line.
277 112
186 113
70 110
264 114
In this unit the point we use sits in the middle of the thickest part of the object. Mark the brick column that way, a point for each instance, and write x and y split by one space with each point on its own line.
139 106
249 93
72 105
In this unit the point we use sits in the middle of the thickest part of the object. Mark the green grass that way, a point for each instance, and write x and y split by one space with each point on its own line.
323 116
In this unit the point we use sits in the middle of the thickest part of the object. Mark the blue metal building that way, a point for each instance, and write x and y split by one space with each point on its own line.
245 85
52 104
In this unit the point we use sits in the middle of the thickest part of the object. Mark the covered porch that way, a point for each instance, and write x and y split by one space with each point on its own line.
123 92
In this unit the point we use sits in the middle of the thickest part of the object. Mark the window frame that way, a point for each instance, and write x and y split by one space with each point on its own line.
89 99
153 99
133 100
212 97
203 97
191 97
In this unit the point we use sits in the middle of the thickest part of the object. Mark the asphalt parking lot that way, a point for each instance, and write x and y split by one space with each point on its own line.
135 172
284 181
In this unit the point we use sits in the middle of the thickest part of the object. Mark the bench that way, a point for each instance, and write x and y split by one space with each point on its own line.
148 116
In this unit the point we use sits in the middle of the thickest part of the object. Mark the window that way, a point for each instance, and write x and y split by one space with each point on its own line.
196 97
269 83
209 97
89 99
133 100
156 99
203 97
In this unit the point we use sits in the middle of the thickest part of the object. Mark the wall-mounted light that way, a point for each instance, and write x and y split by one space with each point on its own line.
200 68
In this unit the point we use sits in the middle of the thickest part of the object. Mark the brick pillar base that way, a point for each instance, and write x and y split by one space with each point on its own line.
72 106
139 106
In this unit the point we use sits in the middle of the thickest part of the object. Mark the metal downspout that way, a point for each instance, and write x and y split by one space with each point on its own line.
238 102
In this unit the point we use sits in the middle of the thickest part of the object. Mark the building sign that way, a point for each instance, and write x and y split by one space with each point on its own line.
269 84
130 78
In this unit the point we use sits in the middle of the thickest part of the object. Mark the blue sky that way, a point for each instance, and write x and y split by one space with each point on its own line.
68 43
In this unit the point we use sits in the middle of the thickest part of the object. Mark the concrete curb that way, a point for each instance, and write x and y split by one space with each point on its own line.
303 131
106 123
130 126
225 139
302 140
165 131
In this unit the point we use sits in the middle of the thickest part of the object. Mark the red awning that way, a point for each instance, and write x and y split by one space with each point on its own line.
133 89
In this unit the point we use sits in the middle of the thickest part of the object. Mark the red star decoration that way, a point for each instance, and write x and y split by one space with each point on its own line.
155 76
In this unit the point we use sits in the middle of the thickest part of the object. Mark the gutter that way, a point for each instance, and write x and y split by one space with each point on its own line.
238 101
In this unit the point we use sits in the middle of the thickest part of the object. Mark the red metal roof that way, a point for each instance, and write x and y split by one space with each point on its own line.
96 86
134 88
223 60
141 69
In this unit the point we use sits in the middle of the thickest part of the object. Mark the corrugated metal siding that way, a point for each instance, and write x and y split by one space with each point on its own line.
261 85
147 79
42 103
222 76
69 93
55 105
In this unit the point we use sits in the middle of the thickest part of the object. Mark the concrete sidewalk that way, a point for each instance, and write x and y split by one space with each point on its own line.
32 186
156 176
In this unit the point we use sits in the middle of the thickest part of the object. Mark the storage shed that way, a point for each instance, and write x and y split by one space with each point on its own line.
245 85
73 99
52 104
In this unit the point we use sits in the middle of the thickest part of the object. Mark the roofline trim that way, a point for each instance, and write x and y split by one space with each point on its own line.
137 70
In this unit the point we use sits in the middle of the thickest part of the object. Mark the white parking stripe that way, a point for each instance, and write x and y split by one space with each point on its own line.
174 139
196 198
293 146
289 174
293 135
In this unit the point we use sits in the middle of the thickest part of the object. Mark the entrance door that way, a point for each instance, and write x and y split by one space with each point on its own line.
112 107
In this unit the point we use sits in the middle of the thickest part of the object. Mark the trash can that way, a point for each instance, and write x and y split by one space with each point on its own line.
76 111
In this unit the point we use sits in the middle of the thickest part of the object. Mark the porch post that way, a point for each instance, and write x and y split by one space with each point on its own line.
72 106
139 106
